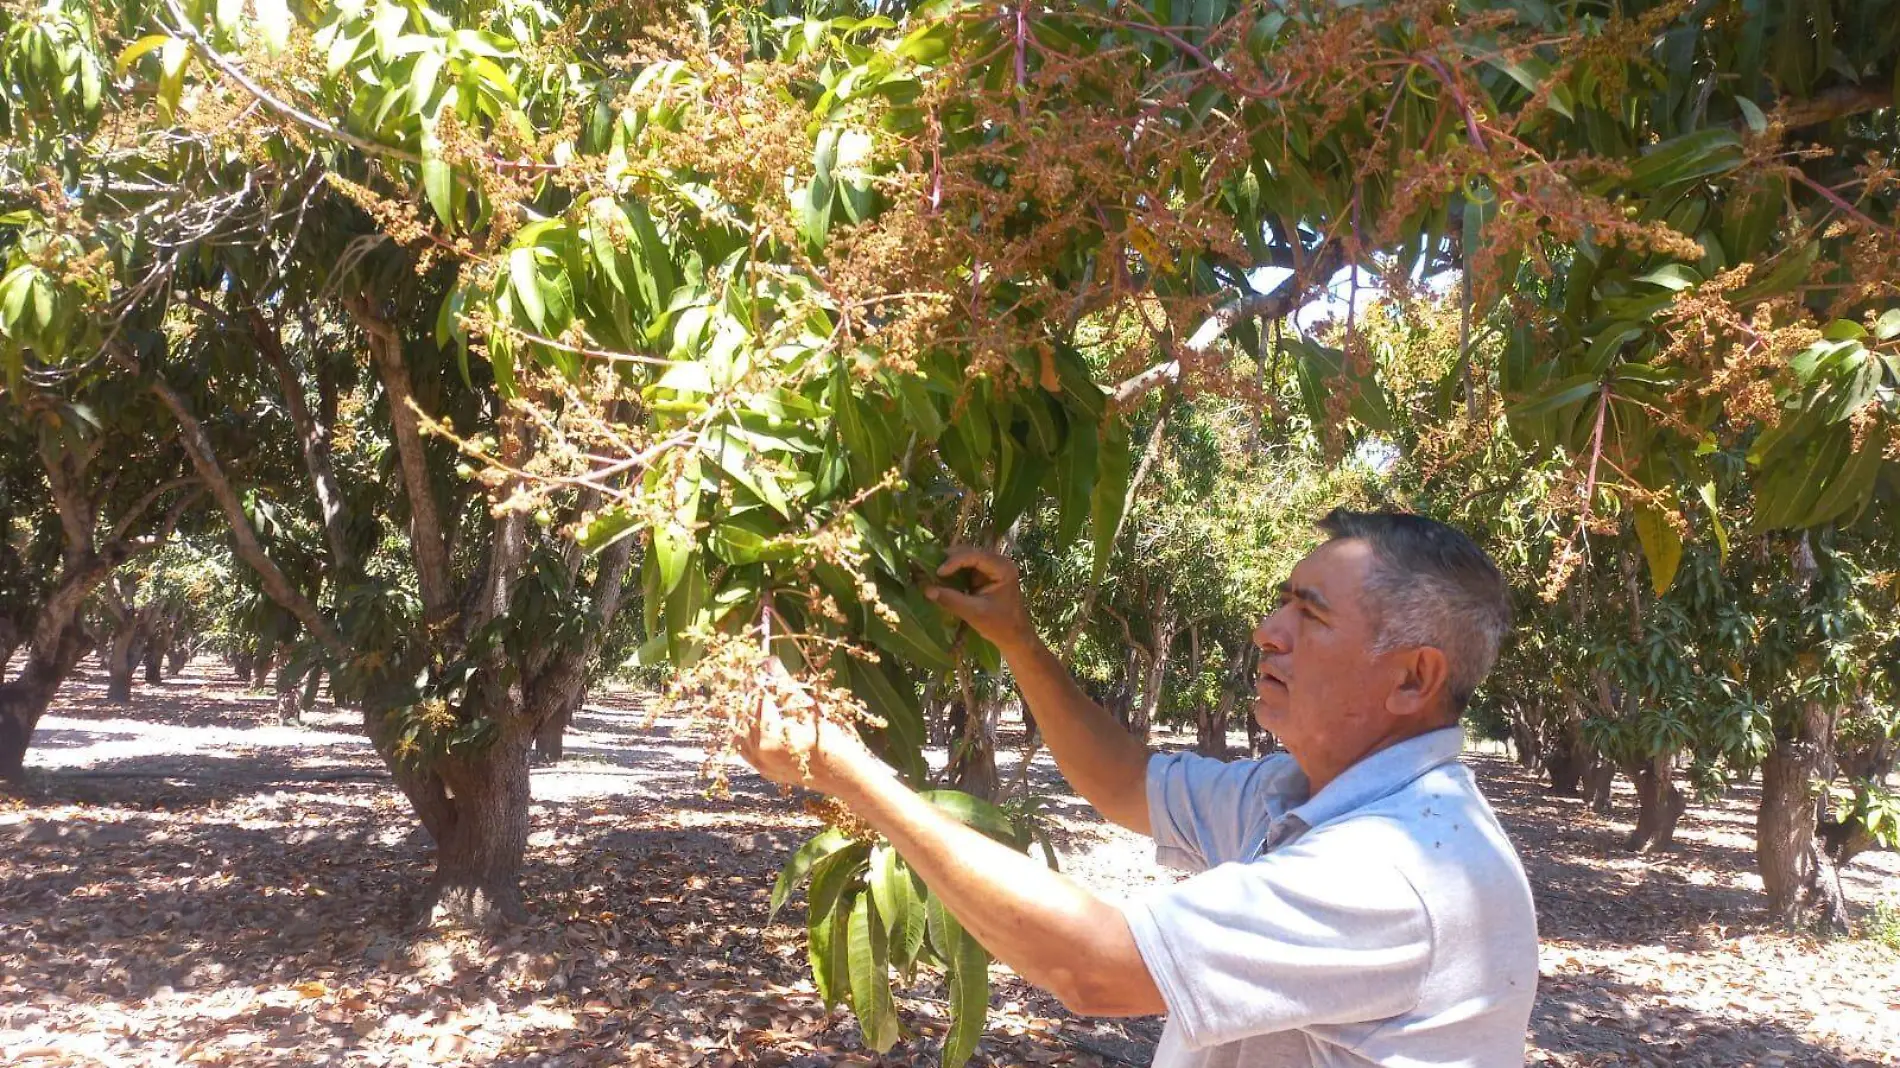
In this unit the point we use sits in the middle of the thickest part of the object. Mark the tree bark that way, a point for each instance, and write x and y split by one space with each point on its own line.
1212 740
1660 805
1796 872
482 843
122 662
1598 784
549 736
1142 722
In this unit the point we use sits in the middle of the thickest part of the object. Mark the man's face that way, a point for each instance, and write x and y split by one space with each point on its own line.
1319 683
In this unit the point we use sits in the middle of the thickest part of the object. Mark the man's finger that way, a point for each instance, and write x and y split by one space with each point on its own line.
970 558
956 602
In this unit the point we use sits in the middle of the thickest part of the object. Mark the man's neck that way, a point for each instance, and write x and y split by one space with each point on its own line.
1322 768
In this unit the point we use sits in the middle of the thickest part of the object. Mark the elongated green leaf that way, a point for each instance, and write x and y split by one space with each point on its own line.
137 49
1662 547
827 939
274 20
525 283
1108 498
890 888
438 181
870 976
969 982
977 813
1707 490
795 871
834 873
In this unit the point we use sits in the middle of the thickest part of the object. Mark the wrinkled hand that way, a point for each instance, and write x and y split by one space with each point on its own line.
994 608
792 743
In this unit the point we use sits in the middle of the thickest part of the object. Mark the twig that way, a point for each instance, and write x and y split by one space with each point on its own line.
231 70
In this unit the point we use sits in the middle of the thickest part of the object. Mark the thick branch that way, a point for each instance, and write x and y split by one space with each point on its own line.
137 511
312 435
204 458
425 523
1836 103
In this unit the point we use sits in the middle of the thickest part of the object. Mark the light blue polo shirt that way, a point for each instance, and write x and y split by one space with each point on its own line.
1385 920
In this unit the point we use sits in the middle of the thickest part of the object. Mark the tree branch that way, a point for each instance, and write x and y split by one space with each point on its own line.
1836 103
1277 303
231 70
425 522
204 458
132 514
312 435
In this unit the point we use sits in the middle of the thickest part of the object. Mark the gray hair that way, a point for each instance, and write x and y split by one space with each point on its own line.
1430 585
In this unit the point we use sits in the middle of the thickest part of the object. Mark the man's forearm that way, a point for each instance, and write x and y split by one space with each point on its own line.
1104 763
1050 931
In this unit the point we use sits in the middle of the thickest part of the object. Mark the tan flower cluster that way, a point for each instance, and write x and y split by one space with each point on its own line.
735 680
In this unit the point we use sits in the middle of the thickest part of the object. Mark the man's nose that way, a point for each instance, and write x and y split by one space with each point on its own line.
1270 635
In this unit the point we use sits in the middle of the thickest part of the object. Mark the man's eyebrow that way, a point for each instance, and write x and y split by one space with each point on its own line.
1305 593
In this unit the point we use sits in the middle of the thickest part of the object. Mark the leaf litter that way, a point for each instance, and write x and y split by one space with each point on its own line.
186 882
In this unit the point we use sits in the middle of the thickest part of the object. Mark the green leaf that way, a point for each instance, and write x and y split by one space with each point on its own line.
895 704
227 14
1674 277
138 49
975 812
1076 480
1559 395
889 884
171 72
1662 547
1887 327
422 80
1847 493
831 876
274 20
1707 490
525 284
967 976
870 976
1752 114
826 938
1110 494
793 875
438 181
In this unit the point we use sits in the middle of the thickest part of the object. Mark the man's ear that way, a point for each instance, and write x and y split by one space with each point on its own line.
1424 689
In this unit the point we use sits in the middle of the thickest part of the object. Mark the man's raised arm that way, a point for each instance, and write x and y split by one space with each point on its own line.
1104 763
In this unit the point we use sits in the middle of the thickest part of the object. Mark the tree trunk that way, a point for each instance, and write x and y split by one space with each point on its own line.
1660 805
481 843
287 688
1212 740
155 662
1598 784
973 755
122 661
22 702
1567 758
25 699
1798 876
1142 722
177 656
548 737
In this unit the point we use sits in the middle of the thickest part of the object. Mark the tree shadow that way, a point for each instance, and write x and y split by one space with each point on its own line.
1595 1015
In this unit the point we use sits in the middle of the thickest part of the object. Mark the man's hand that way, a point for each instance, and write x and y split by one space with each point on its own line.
793 743
994 607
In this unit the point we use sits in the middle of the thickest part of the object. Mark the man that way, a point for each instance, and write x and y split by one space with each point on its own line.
1357 901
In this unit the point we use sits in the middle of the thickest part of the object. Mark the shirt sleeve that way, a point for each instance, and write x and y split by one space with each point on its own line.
1199 808
1295 939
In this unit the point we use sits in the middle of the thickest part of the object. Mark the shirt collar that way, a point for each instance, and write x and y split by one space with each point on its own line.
1379 774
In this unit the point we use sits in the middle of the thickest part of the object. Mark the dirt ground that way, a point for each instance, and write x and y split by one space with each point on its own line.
183 881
